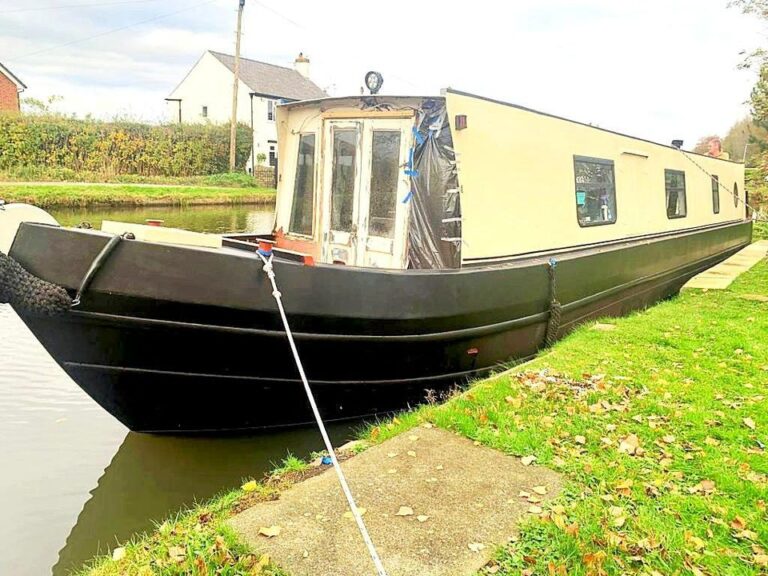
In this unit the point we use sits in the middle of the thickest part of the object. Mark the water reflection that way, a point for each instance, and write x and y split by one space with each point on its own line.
56 443
213 219
151 477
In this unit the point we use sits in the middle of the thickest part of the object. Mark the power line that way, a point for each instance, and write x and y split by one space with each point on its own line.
66 6
304 28
112 31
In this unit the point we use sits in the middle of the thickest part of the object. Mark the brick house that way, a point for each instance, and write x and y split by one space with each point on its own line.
10 88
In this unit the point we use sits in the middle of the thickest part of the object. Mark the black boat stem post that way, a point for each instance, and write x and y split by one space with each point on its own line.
266 256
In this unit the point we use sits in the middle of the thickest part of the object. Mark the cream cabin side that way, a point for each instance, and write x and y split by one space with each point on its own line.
531 182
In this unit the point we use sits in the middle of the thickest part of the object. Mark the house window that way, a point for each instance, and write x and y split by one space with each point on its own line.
674 184
205 111
595 191
272 155
270 110
715 194
304 187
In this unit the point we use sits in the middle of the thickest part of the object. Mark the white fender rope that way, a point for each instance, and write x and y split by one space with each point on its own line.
328 446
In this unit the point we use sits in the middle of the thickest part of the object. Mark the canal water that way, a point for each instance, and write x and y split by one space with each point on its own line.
75 481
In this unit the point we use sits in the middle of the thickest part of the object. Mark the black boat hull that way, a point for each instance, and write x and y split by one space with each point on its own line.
177 339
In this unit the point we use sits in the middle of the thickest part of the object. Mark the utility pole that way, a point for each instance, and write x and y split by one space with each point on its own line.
235 86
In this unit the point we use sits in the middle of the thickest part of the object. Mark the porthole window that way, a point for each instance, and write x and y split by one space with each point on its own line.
735 194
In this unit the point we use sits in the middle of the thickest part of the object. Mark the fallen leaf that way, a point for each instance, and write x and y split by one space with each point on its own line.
360 510
411 453
534 510
540 490
738 523
705 487
391 454
580 440
118 554
630 445
177 554
405 511
749 423
528 460
475 546
270 531
413 437
625 487
250 486
572 529
669 438
422 518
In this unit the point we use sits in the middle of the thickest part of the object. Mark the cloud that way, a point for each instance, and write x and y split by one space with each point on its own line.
659 69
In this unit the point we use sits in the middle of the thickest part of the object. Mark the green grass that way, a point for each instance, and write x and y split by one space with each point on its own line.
194 542
688 378
760 231
290 464
58 174
47 195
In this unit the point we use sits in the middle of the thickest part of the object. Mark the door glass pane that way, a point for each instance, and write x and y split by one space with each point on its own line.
343 185
304 187
385 167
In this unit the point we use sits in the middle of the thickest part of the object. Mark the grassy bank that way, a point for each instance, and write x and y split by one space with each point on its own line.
657 421
48 195
760 231
198 541
658 424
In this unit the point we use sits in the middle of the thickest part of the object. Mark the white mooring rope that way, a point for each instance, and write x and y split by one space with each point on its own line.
328 446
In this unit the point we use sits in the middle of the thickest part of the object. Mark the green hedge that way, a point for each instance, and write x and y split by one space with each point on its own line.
113 148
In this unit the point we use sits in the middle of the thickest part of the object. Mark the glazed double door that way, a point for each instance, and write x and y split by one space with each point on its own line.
366 189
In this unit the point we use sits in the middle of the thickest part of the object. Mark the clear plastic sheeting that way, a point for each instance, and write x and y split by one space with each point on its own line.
434 232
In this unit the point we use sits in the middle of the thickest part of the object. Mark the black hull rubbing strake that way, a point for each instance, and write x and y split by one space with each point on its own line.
180 339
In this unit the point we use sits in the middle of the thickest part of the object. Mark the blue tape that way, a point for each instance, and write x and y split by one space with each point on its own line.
412 173
264 252
408 197
417 135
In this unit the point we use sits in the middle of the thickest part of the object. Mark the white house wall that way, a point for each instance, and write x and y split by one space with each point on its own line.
209 84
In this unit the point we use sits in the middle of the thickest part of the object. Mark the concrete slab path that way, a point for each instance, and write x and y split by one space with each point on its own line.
435 504
721 276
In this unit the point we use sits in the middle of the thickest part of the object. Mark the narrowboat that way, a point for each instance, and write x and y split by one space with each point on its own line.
418 242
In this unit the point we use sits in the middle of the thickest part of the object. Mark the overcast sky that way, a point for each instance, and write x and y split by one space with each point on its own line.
659 69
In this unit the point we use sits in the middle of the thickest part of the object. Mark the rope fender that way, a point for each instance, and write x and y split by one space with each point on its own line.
25 291
555 309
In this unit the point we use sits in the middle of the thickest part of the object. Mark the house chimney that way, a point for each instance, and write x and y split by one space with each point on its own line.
302 65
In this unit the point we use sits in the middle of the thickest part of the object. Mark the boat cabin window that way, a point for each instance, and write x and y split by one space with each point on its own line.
344 175
595 191
385 169
674 183
715 194
735 194
302 213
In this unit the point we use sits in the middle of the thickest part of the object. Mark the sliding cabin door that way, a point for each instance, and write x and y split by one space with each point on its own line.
365 185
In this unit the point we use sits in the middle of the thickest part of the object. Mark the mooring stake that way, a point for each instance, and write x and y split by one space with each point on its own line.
265 253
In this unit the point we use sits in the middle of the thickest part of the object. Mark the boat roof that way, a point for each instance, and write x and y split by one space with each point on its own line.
381 99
